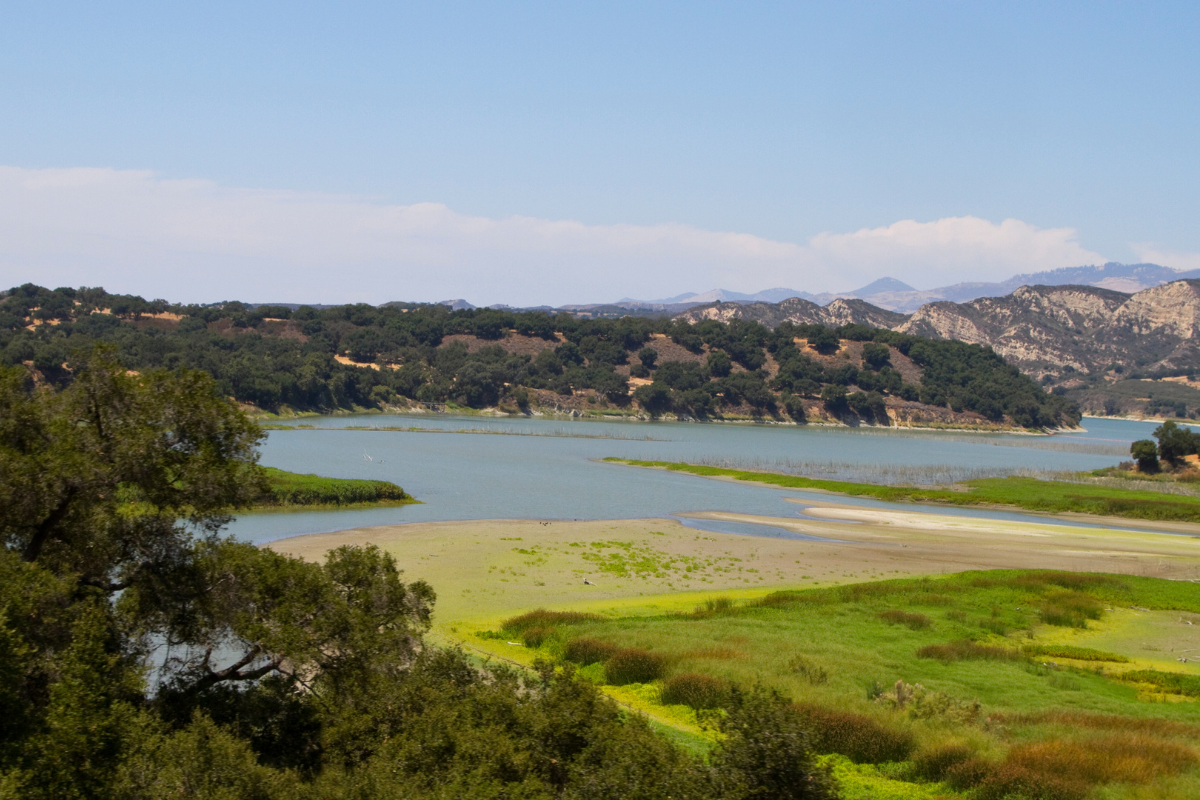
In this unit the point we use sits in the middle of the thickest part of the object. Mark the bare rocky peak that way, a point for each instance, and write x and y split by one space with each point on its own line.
795 310
1173 309
1050 331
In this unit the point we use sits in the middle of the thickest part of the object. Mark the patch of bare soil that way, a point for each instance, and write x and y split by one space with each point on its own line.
282 329
515 343
669 351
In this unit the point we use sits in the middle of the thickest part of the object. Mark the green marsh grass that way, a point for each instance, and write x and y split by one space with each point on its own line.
1031 494
1073 652
288 489
980 716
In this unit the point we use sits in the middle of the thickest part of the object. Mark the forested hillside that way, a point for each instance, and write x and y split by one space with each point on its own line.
360 356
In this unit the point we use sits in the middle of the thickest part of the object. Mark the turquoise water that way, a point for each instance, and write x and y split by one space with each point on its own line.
547 469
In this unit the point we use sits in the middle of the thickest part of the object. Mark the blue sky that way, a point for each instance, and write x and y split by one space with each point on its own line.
651 127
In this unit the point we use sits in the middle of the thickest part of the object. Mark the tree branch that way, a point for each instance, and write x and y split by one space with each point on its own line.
42 535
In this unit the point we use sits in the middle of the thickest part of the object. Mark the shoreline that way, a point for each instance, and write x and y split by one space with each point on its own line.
485 570
266 418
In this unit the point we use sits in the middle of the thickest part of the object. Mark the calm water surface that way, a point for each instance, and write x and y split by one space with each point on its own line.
546 470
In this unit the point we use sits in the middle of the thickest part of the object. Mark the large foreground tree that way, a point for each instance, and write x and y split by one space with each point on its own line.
144 655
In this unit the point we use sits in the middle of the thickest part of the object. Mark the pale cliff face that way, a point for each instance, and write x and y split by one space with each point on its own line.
1173 308
1041 329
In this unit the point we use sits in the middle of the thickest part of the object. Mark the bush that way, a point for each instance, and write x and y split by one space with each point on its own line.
967 774
876 356
935 764
766 753
823 340
533 637
1070 609
634 666
912 619
967 651
1011 780
583 651
858 737
695 690
794 407
541 618
714 607
1146 454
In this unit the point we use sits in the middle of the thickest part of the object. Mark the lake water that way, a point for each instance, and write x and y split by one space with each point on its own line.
549 469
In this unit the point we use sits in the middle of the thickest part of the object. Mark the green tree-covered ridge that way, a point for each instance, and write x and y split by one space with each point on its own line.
273 358
1031 494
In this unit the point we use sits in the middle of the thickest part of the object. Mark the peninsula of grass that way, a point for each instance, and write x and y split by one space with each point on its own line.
1031 494
289 490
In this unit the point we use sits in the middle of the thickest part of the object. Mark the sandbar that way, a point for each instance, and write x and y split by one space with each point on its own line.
485 570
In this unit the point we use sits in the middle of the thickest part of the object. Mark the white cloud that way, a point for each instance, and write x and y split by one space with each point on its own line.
1153 254
189 240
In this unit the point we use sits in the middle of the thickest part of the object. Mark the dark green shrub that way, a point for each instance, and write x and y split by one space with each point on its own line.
1146 454
634 666
858 737
697 691
794 407
766 753
584 651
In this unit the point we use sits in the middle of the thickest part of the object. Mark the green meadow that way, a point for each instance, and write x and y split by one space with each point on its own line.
977 684
1031 494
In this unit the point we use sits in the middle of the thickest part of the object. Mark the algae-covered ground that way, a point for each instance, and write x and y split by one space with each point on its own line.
1000 689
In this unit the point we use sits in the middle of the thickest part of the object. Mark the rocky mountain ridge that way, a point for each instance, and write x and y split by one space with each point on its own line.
1085 341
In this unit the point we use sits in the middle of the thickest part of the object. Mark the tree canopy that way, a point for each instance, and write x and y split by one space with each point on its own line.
356 356
145 655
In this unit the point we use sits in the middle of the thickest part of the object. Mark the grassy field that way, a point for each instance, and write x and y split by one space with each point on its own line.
290 490
1031 494
984 683
829 645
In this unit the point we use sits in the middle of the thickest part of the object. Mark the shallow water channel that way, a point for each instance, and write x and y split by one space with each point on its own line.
531 468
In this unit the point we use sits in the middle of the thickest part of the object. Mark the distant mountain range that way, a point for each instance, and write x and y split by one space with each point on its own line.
898 296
